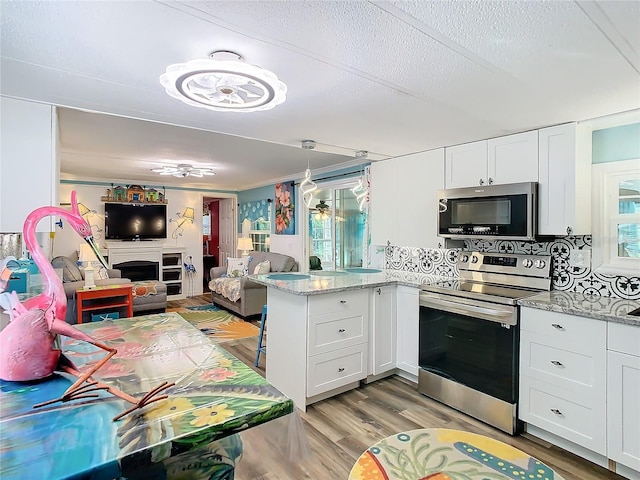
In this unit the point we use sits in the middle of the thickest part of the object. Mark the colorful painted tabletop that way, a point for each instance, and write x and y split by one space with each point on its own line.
215 396
442 454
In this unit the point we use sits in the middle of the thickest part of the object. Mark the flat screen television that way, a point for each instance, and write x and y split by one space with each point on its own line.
135 221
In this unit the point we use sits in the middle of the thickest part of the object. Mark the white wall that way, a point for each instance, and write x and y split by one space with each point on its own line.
66 240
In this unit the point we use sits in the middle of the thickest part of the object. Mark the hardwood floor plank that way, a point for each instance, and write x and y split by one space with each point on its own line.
339 429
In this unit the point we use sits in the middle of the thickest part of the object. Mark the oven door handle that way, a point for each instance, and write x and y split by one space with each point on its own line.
471 308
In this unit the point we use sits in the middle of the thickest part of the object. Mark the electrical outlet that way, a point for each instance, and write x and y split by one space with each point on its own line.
579 258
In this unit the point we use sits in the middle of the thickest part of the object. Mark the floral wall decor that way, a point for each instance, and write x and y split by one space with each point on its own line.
285 209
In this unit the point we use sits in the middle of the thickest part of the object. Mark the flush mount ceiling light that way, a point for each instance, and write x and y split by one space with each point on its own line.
183 170
224 83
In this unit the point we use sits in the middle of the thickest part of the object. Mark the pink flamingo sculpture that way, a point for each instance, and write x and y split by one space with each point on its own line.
28 343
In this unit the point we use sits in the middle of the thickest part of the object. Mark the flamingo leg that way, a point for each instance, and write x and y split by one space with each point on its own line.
82 387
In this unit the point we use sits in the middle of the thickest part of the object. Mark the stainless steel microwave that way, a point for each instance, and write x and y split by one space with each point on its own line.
498 212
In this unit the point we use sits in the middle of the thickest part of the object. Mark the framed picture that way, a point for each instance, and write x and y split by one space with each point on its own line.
285 223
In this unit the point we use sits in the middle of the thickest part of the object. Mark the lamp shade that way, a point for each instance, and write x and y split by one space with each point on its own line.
86 254
189 214
244 244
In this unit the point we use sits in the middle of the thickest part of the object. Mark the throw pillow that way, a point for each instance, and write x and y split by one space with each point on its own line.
70 271
262 268
237 267
101 272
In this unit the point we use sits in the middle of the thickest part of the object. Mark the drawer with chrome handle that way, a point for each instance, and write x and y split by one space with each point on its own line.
336 369
333 330
559 363
345 302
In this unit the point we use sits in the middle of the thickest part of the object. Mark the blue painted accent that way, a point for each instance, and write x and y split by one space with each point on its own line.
506 468
328 273
616 144
288 276
362 270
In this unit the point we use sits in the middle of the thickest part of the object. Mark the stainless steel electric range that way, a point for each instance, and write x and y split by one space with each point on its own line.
470 334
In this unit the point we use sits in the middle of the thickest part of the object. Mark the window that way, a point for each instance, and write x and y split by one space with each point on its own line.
616 235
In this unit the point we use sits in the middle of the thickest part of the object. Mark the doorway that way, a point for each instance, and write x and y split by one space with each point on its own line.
335 227
219 233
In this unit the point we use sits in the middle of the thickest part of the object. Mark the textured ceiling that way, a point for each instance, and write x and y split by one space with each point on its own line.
388 77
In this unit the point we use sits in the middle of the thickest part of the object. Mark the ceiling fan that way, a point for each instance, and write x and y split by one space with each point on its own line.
183 170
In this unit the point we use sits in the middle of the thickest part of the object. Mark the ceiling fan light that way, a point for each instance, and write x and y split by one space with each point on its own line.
183 170
224 85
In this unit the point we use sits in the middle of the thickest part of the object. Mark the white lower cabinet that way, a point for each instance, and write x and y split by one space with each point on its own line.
318 345
563 376
580 382
623 395
383 331
407 332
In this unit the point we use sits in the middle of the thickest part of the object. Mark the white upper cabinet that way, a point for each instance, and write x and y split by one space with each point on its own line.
466 165
564 189
404 193
383 202
513 159
29 170
509 159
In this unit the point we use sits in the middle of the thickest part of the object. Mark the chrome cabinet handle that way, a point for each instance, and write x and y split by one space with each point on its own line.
490 180
569 230
557 326
341 370
343 301
342 330
557 363
556 411
379 292
481 182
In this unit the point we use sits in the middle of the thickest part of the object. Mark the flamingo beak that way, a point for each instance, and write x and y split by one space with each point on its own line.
96 250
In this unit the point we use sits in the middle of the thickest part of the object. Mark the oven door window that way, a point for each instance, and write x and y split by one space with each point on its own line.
480 354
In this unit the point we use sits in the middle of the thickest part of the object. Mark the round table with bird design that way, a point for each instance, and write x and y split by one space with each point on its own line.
443 454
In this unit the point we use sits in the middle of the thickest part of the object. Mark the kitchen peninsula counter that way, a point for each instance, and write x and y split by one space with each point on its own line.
329 330
327 281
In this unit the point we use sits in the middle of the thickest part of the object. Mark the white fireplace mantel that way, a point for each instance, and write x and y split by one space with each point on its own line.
119 252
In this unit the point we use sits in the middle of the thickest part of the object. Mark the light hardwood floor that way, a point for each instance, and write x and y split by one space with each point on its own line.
339 429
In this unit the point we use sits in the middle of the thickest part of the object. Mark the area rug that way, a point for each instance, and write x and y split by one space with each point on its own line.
442 454
217 323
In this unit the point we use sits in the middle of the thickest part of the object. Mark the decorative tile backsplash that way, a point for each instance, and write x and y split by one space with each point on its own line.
565 277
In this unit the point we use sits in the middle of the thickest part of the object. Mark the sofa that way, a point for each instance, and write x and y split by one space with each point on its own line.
252 295
148 296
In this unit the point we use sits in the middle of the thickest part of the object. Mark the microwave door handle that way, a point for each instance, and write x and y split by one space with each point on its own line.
500 316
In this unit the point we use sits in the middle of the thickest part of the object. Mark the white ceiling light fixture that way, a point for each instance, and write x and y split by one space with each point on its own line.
183 170
224 83
308 186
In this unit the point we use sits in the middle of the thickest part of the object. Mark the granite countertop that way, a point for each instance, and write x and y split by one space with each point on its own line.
328 281
591 306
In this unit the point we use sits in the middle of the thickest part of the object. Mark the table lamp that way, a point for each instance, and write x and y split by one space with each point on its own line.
87 257
245 244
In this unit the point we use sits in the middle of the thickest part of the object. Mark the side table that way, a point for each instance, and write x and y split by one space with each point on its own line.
104 297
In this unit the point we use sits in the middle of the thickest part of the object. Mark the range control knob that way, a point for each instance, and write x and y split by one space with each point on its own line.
464 258
474 259
527 263
540 263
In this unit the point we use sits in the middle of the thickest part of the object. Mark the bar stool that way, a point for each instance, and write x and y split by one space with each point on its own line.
262 347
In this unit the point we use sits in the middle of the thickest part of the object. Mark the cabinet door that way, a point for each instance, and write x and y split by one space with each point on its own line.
407 329
466 165
513 159
383 353
29 172
564 175
623 412
420 176
384 203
